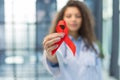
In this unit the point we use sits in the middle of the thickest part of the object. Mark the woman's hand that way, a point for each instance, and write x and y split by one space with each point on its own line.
48 44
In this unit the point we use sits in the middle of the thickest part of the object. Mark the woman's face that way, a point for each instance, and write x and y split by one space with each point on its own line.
73 19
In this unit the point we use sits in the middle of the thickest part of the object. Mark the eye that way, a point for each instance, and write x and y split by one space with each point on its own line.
68 16
78 16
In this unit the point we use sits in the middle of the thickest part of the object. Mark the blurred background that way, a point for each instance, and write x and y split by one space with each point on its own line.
24 23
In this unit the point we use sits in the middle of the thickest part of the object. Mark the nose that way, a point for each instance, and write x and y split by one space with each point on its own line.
73 18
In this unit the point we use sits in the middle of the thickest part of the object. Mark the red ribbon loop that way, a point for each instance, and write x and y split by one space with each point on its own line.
62 28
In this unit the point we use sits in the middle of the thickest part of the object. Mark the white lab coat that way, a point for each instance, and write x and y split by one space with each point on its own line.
86 66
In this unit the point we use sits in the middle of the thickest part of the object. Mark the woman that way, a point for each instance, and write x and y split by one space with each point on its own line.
86 64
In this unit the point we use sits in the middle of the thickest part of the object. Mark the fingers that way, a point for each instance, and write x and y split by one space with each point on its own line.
52 36
51 42
50 49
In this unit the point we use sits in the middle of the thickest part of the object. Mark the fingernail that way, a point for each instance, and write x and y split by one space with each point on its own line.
63 34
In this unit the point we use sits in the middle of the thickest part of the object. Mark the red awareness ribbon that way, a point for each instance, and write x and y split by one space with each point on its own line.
62 28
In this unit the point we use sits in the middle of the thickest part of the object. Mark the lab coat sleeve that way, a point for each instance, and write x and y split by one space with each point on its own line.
52 70
98 62
55 71
99 68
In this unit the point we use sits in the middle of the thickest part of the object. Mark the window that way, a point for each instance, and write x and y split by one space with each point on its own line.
107 32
